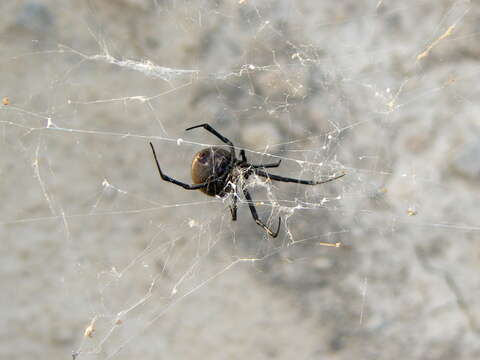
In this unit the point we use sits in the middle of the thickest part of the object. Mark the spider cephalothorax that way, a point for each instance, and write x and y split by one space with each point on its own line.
215 170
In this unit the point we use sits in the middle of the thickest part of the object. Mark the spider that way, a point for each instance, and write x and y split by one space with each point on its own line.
216 171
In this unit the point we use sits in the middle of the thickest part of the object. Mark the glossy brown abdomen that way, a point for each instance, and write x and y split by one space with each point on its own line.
212 165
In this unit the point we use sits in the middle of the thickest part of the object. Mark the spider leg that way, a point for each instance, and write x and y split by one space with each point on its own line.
233 208
246 164
243 156
298 181
255 216
213 131
220 136
271 165
176 182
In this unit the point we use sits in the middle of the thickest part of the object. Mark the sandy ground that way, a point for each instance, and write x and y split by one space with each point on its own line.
103 260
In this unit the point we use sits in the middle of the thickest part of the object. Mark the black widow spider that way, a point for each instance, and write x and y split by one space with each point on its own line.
216 171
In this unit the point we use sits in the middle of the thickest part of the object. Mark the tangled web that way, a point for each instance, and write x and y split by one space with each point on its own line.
107 261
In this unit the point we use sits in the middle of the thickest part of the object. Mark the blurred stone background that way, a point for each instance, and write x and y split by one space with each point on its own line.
387 91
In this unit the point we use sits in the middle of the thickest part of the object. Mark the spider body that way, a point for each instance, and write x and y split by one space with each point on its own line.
212 166
216 171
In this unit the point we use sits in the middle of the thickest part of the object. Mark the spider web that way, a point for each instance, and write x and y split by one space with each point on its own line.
103 260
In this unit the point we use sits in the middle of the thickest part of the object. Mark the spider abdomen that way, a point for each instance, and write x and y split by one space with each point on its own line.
212 164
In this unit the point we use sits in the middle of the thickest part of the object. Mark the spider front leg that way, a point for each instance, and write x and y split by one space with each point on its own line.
292 180
172 180
217 134
271 165
255 216
245 163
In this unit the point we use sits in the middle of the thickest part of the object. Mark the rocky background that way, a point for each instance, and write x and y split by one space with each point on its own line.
103 260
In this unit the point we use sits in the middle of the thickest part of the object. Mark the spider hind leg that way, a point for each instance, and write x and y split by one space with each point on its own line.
233 208
253 210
